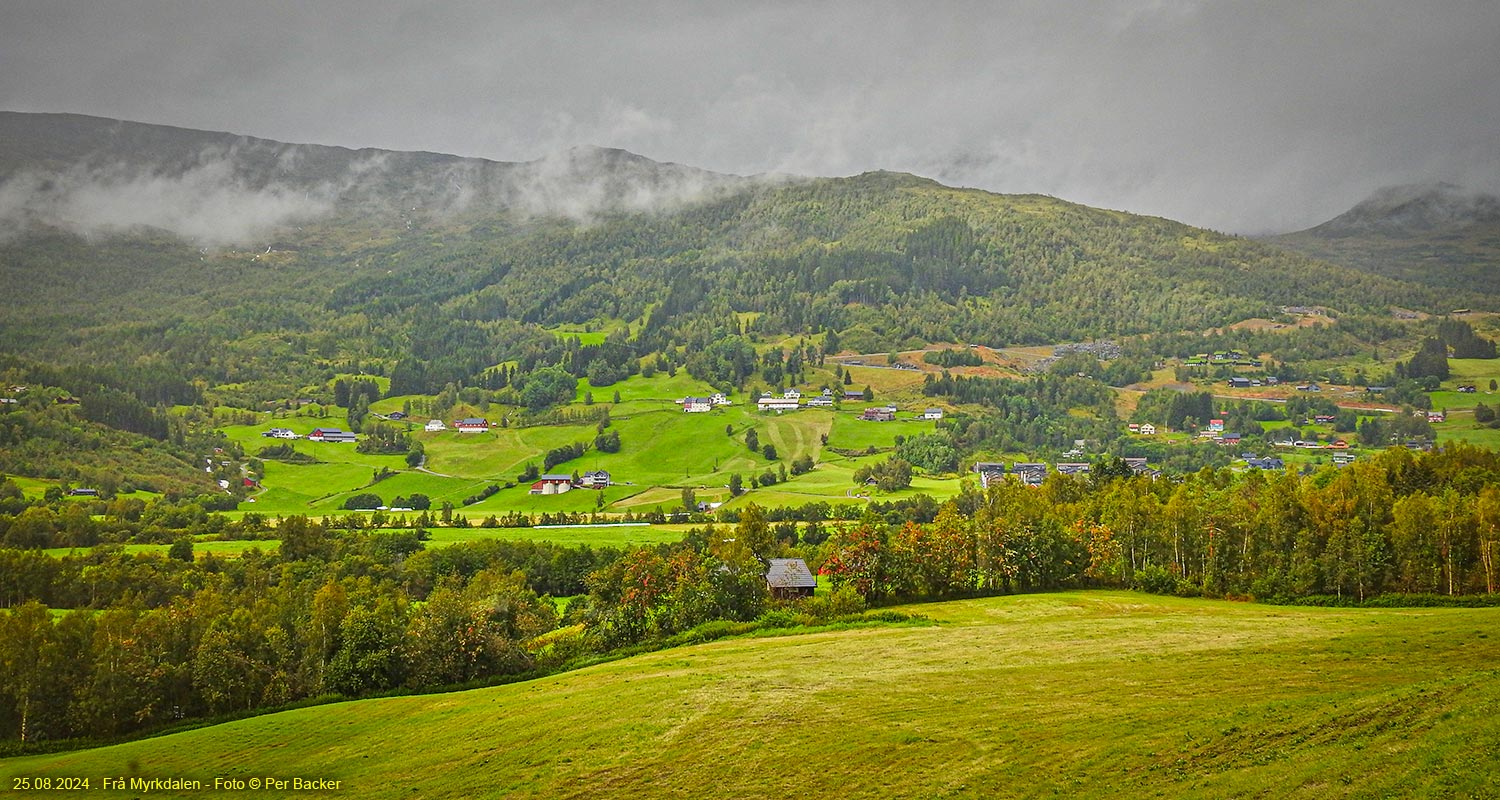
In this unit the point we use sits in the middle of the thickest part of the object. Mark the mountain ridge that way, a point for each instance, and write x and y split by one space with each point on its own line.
1412 208
73 171
450 279
1437 234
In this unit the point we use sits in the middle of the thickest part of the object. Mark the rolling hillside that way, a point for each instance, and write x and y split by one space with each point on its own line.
1097 694
261 264
1433 234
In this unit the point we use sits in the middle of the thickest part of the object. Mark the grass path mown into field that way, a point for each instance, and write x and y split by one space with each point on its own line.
1084 694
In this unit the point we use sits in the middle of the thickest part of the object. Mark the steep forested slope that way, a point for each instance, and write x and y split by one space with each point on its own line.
464 278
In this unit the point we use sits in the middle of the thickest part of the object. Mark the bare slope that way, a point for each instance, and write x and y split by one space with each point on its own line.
1079 694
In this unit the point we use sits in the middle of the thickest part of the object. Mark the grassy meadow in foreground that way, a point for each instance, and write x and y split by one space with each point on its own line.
1076 694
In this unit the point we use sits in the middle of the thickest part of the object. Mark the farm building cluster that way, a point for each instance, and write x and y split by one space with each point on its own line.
794 399
558 484
1034 473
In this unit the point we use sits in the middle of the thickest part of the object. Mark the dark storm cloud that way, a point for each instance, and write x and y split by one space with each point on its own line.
1239 116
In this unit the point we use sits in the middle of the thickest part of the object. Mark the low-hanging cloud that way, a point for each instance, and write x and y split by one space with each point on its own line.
229 197
206 203
1249 117
584 182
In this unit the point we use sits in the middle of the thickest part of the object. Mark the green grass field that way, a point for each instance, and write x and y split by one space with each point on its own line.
37 487
597 536
663 450
659 387
33 487
1478 371
1466 430
1447 400
1093 694
852 433
230 549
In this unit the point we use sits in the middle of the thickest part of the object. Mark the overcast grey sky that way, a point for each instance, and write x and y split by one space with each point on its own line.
1240 116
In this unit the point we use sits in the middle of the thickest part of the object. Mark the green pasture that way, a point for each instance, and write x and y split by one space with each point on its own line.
666 497
1447 400
1465 429
1478 371
833 481
785 495
657 387
500 453
1080 694
438 489
389 404
36 487
308 488
852 433
594 333
660 447
519 498
595 536
231 549
662 450
33 487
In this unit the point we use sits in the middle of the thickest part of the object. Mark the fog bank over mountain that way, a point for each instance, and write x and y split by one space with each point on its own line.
1261 116
96 177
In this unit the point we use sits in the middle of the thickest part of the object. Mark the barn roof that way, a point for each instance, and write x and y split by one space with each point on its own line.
789 573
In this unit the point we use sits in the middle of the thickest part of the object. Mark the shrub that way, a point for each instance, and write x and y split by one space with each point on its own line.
363 502
1154 579
777 618
840 602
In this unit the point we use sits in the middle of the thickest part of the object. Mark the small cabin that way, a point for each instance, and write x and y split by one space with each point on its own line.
790 577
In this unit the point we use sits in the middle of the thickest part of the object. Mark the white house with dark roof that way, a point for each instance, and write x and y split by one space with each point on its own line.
697 405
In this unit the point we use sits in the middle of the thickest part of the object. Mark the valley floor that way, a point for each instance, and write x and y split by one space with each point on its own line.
1072 694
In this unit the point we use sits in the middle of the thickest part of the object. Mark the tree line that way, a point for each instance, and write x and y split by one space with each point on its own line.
1401 522
152 639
